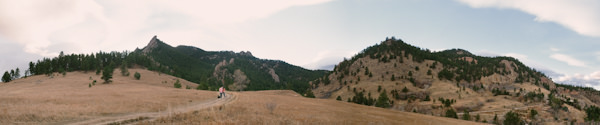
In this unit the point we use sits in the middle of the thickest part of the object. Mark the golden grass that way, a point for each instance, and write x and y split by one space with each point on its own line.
290 108
63 99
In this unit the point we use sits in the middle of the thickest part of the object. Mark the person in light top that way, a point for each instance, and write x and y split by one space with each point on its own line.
221 92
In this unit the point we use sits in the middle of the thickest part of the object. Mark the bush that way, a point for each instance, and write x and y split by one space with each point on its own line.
512 118
450 113
137 75
177 84
466 116
202 86
338 98
533 113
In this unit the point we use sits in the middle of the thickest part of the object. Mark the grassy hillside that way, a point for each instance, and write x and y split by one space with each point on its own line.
58 99
399 76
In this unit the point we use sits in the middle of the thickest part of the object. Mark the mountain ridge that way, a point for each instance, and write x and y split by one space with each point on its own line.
414 78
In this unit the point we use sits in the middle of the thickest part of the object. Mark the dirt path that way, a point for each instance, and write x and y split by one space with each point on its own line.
149 116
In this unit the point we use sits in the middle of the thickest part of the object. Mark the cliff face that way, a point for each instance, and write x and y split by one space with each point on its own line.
151 45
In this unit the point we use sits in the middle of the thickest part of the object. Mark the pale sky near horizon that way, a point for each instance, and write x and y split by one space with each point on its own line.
559 37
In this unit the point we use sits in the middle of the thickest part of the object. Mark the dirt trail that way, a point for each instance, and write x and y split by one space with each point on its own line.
149 116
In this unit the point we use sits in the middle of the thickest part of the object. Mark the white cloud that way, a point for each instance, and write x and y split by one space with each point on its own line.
568 59
325 59
89 26
589 80
554 49
581 16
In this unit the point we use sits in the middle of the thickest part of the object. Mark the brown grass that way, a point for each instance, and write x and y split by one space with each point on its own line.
290 108
57 99
63 100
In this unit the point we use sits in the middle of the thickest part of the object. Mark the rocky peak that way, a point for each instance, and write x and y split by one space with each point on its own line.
151 45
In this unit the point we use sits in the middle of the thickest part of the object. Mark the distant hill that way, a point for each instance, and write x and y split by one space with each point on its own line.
413 79
209 69
238 71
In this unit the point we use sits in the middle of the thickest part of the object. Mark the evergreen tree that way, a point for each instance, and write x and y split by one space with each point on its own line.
17 73
383 100
177 84
6 77
512 118
450 113
124 70
107 74
466 116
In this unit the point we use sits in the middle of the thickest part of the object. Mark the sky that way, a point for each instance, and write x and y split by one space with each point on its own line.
558 37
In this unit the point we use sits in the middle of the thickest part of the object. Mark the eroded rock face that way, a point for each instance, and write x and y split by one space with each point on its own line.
274 75
151 45
240 81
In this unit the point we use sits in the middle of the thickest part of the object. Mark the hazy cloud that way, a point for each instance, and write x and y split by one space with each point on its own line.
581 16
568 59
89 26
589 80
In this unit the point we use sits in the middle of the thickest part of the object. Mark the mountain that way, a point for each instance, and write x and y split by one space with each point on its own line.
415 78
238 71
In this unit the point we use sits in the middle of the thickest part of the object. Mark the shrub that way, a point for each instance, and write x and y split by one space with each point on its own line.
177 84
338 98
466 116
512 118
450 113
533 113
137 75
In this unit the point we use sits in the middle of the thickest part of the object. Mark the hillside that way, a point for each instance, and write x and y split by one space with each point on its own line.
60 99
67 99
208 69
238 71
418 80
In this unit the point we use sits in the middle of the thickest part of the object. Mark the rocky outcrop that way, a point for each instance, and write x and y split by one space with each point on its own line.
151 45
240 81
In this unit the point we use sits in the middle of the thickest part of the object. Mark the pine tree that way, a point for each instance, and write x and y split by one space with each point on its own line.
6 77
450 113
512 118
383 100
107 74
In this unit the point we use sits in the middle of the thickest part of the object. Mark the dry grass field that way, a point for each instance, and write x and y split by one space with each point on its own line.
287 107
153 100
63 99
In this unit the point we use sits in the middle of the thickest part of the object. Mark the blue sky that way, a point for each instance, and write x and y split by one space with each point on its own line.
558 37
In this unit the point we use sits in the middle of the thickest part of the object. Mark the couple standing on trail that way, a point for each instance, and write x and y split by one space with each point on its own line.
221 92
